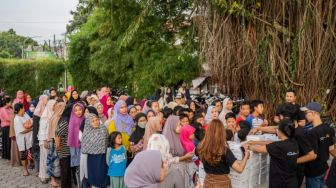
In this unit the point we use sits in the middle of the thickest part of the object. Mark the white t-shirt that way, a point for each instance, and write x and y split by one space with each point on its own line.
24 141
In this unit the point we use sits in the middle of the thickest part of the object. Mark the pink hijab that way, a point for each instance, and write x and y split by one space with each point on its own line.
41 105
187 144
103 101
74 125
17 99
103 92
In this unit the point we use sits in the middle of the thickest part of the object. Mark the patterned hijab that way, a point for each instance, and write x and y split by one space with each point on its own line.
94 140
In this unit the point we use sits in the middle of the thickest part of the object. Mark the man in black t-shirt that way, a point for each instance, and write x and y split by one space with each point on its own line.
321 137
291 99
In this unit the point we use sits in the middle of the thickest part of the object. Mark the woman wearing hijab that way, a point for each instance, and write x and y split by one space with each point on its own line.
153 126
146 170
74 97
31 109
211 114
107 103
43 139
136 139
42 102
173 179
132 111
172 132
19 97
109 117
62 148
100 110
130 101
76 119
94 144
83 167
52 157
122 122
227 107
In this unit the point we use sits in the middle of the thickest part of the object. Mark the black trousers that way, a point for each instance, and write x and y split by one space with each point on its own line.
6 143
65 172
35 146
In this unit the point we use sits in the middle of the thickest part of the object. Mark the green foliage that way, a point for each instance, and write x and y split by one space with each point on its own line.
245 8
131 43
32 76
80 16
11 44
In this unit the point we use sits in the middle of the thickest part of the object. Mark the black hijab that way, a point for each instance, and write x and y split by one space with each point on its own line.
129 101
139 132
72 100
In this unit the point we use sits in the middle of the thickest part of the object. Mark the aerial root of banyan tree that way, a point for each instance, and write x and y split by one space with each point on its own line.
282 44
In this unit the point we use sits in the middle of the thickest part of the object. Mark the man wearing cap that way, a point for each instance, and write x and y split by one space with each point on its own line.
321 137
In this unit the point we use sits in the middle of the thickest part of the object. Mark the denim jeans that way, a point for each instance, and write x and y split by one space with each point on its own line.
315 182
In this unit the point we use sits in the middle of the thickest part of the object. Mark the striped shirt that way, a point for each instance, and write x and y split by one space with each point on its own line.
62 132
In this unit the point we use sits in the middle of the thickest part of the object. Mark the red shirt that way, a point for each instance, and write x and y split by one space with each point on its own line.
240 118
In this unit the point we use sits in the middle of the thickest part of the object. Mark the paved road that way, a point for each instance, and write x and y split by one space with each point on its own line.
11 177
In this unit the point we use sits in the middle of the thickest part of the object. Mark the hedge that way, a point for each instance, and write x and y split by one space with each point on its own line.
32 76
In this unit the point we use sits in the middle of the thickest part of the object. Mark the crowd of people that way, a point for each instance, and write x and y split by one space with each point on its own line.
95 140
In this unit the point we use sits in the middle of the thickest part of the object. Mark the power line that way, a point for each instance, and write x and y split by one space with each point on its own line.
35 22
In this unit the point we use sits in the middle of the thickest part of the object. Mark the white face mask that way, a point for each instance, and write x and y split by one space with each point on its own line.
142 124
32 109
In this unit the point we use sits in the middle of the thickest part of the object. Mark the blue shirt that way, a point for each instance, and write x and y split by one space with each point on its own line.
117 162
254 121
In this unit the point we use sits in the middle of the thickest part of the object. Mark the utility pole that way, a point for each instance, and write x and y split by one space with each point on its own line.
55 45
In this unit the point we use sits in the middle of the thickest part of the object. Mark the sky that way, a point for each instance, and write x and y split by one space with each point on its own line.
42 18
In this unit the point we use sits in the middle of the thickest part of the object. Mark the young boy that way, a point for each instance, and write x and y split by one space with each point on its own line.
244 111
230 119
184 119
255 119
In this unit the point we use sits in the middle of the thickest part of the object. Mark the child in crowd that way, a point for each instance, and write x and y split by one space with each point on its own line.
184 119
242 130
23 132
187 137
116 160
244 111
255 119
230 119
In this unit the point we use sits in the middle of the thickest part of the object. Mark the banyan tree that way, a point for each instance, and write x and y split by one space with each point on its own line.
260 48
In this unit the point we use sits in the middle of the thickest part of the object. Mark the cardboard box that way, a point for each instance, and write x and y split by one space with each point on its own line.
271 137
239 184
253 181
255 137
263 179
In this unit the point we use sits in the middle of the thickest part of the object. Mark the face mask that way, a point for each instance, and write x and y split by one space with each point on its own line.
31 109
142 124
